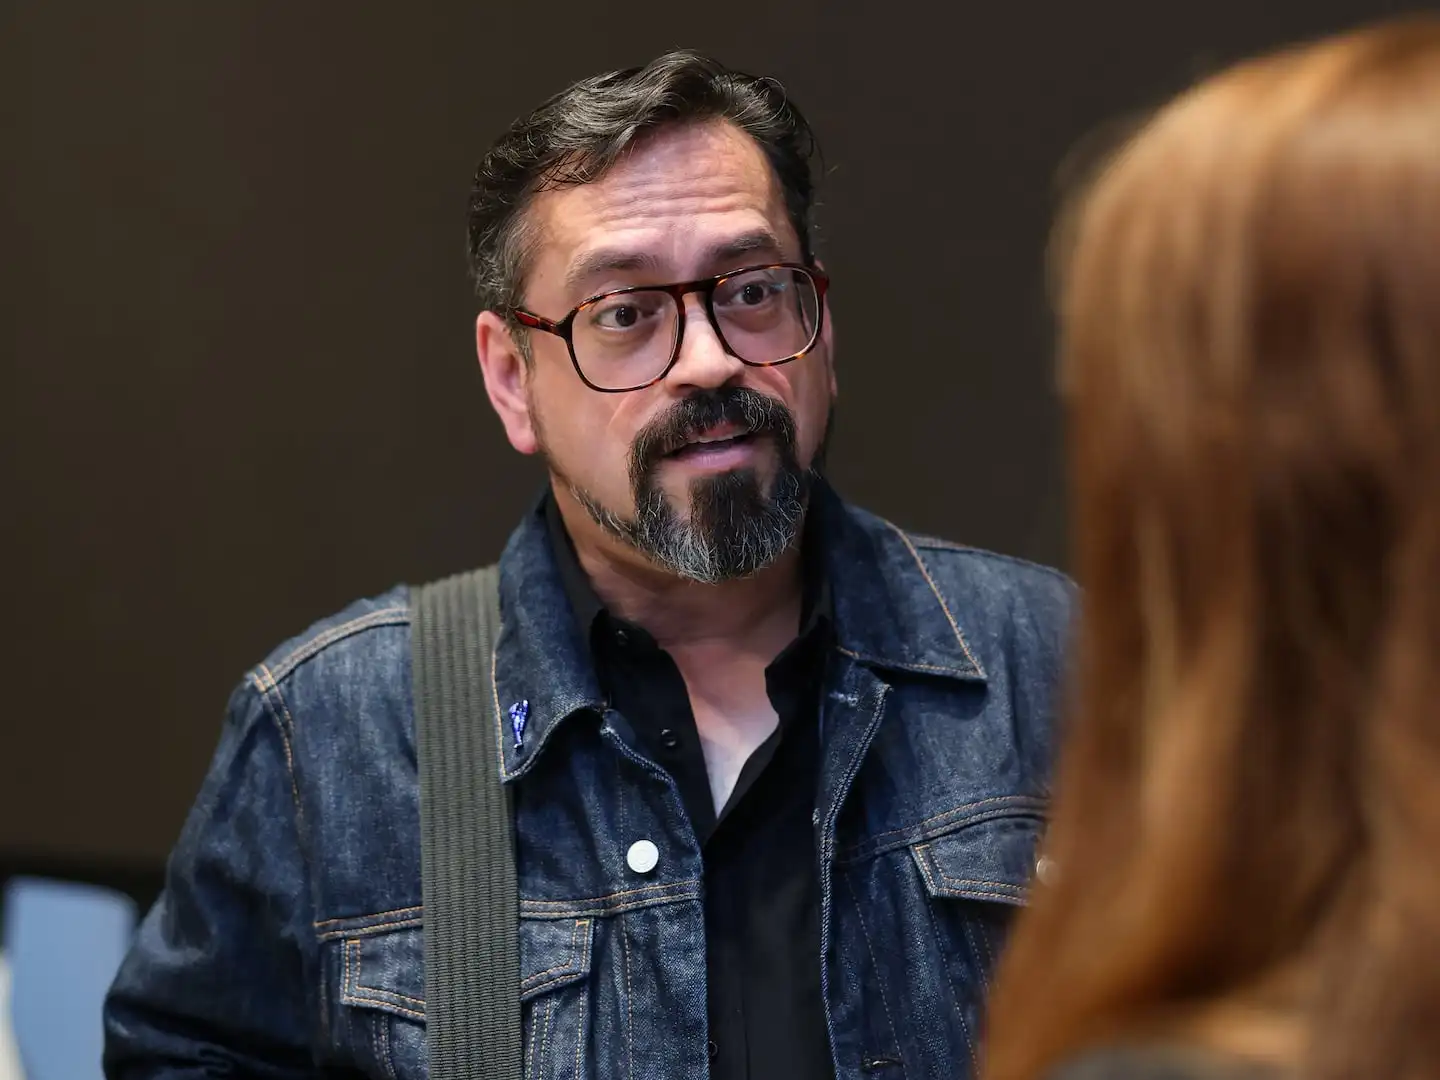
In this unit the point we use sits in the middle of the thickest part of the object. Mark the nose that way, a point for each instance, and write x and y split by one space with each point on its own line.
704 361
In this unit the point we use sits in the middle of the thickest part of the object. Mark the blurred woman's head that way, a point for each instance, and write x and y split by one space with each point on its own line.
1247 813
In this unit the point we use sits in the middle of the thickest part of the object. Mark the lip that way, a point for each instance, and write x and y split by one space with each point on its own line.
719 433
721 454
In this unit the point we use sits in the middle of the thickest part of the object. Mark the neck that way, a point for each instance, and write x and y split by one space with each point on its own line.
678 612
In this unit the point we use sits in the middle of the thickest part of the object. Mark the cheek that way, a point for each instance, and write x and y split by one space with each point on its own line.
588 435
626 416
805 391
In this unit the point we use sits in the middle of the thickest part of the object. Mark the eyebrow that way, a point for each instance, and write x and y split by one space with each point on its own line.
609 260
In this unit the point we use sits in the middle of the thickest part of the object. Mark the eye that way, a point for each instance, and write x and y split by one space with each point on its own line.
755 293
627 311
619 317
750 291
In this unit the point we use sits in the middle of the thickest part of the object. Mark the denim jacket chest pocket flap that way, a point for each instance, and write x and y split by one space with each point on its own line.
386 970
992 859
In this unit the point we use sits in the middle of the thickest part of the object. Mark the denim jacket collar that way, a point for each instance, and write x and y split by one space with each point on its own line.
542 660
888 614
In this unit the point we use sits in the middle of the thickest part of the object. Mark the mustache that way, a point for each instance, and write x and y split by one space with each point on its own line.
752 412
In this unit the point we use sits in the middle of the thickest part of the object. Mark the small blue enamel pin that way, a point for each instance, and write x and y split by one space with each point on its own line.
519 713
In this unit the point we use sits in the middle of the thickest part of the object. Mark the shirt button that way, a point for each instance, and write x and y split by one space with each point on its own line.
1045 869
669 740
643 856
711 1050
622 636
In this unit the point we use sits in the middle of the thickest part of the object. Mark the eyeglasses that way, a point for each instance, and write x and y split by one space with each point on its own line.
628 339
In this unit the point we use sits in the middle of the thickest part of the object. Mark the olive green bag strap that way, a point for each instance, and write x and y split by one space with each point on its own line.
467 839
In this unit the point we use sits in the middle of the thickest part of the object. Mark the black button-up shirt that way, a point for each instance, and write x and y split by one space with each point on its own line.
762 903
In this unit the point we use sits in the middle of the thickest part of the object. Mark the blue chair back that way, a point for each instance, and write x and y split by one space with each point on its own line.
63 942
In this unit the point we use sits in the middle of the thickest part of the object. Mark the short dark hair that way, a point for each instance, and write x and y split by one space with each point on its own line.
579 133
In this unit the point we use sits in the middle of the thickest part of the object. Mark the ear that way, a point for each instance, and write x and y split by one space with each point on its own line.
507 378
827 339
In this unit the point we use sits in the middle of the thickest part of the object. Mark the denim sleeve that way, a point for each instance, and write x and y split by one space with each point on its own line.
219 981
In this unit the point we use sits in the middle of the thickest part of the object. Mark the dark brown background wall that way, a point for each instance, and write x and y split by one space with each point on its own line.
239 388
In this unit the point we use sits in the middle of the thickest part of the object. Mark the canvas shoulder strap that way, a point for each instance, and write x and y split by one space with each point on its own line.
467 847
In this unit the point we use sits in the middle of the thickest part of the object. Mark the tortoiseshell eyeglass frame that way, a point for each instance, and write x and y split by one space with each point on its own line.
563 328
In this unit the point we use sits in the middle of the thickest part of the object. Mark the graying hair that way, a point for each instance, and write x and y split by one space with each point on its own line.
579 133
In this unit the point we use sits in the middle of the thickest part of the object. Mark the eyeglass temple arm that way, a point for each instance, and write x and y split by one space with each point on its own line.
534 322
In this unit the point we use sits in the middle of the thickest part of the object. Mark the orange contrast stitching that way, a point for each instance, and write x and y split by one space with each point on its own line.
925 572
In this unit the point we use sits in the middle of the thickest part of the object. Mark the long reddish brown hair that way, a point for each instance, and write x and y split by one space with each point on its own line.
1246 820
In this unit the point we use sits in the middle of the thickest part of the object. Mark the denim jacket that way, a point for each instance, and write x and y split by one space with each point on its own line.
288 940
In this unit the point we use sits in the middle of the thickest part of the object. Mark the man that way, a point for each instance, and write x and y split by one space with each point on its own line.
778 767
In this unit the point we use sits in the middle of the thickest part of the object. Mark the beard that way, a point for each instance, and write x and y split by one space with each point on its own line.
735 527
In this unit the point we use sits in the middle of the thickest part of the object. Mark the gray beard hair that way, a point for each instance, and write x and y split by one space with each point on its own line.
732 531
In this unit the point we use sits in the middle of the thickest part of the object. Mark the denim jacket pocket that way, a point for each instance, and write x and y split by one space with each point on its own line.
382 994
976 878
991 860
555 959
921 915
382 984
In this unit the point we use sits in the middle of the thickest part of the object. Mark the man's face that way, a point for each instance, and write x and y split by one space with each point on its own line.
705 472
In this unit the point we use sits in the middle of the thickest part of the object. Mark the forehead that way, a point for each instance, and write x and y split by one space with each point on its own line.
675 202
